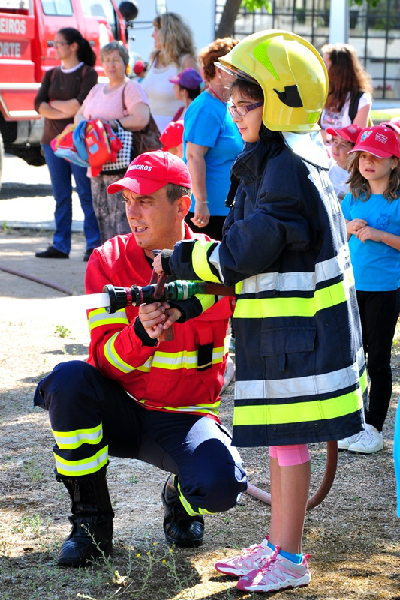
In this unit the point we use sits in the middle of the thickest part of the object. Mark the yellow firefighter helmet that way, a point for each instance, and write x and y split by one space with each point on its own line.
291 73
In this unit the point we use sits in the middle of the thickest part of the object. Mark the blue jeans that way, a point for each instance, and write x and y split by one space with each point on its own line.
60 175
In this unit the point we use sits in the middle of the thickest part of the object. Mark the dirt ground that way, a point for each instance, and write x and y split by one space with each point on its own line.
353 536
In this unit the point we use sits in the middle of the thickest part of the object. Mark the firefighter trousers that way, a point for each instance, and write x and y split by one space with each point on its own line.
93 417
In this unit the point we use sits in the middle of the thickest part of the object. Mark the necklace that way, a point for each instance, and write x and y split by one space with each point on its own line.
214 93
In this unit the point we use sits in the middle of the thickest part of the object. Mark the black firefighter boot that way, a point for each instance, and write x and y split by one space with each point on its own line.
92 519
180 529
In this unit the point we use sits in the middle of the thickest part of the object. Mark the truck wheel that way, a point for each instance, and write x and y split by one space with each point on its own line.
1 159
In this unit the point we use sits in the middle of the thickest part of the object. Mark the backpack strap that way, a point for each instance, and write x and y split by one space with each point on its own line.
353 108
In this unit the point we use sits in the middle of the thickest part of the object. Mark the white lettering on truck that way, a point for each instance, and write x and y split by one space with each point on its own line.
16 26
10 50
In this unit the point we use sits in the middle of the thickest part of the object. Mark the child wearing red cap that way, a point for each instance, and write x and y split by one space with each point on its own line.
343 141
372 213
172 138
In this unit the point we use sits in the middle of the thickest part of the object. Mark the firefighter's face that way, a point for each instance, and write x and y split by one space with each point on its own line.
155 222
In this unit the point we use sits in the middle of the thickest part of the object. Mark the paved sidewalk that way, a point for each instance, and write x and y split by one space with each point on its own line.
26 198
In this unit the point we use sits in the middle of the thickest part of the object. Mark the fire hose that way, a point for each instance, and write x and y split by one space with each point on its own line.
120 297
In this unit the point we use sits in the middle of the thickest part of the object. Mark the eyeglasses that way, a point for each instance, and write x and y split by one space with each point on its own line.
57 44
112 61
241 111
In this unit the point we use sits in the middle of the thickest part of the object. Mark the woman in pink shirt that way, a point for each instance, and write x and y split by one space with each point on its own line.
123 99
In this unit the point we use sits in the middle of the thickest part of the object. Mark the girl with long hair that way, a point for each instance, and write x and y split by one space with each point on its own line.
349 96
372 213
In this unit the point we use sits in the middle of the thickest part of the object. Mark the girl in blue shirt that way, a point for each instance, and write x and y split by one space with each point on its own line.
372 214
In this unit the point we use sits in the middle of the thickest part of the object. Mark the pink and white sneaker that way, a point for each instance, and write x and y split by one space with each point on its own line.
278 573
249 560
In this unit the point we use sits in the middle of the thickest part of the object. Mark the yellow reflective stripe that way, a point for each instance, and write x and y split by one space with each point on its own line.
299 412
78 468
188 508
200 408
206 300
116 361
184 359
200 261
101 317
259 308
70 440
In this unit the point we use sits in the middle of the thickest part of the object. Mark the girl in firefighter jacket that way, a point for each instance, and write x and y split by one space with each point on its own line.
300 365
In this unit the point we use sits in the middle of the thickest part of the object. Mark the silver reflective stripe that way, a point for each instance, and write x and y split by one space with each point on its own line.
288 282
102 317
69 438
81 467
314 385
214 260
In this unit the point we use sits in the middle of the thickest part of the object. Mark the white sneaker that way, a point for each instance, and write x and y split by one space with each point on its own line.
368 442
345 443
250 559
278 573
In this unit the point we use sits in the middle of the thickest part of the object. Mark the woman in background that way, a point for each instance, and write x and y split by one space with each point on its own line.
211 143
173 52
349 97
125 100
62 91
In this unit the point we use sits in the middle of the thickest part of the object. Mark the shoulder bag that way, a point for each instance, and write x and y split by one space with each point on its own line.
133 143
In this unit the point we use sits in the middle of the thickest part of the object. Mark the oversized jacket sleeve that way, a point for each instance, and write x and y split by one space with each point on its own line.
115 348
254 241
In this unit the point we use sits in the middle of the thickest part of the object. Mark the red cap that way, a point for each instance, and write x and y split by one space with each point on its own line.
393 124
139 67
172 135
379 141
150 172
349 133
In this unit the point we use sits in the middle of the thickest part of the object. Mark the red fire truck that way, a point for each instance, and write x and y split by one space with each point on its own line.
27 30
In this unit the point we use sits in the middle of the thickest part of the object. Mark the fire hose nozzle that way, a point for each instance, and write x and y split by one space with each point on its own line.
120 297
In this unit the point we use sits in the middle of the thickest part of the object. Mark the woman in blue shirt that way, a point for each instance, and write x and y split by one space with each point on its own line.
211 142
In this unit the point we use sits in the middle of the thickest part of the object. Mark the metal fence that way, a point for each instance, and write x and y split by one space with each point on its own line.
374 33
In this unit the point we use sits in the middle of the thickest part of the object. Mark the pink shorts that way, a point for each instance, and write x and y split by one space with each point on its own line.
289 456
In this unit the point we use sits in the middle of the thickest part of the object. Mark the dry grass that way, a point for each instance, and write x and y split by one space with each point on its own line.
353 536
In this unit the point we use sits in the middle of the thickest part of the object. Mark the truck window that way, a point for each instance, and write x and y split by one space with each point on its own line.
102 8
57 7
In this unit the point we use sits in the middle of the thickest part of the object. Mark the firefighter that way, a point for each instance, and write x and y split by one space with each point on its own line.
300 364
140 395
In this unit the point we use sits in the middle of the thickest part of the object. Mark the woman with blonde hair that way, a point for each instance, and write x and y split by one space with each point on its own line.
173 52
349 97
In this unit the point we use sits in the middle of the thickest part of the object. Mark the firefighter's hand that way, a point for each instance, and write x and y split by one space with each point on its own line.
157 264
157 317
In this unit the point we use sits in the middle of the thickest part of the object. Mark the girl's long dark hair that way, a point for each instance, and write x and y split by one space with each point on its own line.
346 75
360 188
85 53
